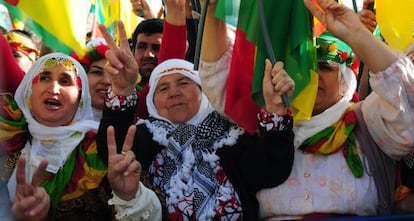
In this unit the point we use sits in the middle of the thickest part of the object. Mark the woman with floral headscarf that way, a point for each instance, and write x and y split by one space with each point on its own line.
94 61
57 173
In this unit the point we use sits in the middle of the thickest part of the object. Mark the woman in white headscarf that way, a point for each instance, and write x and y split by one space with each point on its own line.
58 174
201 165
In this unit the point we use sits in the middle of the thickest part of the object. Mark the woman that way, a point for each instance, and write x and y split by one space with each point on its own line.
58 174
344 160
201 165
94 61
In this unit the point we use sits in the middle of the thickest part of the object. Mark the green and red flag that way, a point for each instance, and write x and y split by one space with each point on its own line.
60 24
290 32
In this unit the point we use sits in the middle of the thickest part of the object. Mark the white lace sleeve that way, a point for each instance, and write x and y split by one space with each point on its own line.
145 206
214 78
389 109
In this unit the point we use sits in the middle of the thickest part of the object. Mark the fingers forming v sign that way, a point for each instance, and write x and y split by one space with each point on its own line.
121 67
124 170
31 201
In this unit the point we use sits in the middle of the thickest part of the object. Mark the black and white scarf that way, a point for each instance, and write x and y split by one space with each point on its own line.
188 169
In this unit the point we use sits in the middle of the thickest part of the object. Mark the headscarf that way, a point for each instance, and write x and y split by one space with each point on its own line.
55 143
190 150
332 49
19 42
173 66
94 51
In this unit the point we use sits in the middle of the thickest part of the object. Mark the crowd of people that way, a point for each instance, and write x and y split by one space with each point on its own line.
131 130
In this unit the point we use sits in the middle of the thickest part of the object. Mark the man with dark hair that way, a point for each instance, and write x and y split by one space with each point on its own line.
146 41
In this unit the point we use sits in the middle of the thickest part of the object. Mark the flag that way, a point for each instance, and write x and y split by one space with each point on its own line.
108 12
60 24
288 24
396 22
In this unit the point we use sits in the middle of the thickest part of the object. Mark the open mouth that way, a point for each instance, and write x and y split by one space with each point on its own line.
52 103
102 91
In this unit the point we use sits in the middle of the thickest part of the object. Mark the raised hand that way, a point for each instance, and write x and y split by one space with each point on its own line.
340 20
121 67
176 11
31 201
367 16
145 7
276 82
344 24
124 171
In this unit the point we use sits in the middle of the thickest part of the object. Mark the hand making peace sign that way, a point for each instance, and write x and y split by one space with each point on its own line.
121 67
124 171
31 201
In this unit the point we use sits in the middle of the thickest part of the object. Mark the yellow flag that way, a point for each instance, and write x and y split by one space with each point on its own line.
62 25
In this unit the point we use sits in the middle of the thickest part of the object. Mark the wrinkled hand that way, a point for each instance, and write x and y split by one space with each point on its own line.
124 171
145 7
368 17
340 20
121 67
176 11
276 82
31 201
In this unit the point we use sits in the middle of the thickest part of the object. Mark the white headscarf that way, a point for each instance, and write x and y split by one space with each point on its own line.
173 66
55 143
347 82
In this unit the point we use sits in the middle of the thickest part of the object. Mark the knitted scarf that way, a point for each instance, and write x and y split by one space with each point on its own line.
337 136
188 170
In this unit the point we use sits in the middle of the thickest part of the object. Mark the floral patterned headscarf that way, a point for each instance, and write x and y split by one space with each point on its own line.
332 49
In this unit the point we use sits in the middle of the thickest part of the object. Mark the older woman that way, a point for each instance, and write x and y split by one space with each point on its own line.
201 165
58 174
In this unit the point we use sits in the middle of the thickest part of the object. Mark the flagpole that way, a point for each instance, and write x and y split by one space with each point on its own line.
269 48
200 34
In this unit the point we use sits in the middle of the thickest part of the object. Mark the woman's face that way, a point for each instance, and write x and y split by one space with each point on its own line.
55 95
328 87
98 83
177 98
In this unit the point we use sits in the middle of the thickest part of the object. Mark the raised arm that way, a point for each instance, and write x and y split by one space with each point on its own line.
215 37
173 43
